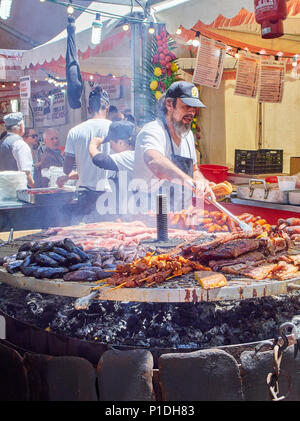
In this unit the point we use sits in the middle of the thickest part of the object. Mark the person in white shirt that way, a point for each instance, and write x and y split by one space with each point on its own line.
121 136
15 154
78 139
165 156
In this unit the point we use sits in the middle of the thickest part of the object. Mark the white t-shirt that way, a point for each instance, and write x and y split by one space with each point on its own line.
77 145
23 156
124 161
153 136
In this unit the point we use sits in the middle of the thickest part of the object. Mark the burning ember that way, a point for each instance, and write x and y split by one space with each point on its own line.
186 326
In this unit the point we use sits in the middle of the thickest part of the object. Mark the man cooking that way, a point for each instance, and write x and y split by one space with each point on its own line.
165 155
15 154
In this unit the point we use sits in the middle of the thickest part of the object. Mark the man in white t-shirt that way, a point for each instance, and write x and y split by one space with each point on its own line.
165 156
78 139
15 154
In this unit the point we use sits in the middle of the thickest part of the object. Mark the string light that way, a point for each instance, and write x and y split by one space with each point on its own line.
70 8
5 9
178 32
151 29
196 41
125 25
96 30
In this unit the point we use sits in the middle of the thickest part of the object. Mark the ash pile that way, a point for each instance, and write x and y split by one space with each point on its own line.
154 325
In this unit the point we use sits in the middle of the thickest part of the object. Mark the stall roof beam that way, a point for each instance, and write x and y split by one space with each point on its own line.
18 34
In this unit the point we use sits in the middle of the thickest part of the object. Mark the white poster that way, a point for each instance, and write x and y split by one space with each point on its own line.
25 87
49 110
209 63
24 105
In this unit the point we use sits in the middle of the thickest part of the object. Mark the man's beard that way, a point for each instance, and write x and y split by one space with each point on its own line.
180 128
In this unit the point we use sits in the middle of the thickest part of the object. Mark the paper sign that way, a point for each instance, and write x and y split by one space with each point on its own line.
272 73
209 63
25 87
24 105
247 75
49 110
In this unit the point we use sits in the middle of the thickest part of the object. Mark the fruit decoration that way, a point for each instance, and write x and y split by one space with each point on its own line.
165 68
196 129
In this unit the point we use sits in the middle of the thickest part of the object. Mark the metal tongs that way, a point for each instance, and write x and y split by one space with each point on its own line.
245 227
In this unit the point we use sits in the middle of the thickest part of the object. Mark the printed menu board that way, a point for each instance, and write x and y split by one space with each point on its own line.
247 75
271 81
209 63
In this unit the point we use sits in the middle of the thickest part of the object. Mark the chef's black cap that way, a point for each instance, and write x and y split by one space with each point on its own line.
187 92
122 129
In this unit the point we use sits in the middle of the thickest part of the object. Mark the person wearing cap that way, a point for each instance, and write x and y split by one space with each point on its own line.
121 136
165 155
78 139
15 154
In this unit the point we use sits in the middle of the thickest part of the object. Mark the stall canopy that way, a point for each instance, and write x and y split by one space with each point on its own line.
51 55
232 22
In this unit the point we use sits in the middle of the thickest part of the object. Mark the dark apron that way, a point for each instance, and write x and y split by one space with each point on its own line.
87 199
185 164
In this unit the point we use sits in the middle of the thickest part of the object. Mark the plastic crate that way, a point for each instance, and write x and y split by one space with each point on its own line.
261 161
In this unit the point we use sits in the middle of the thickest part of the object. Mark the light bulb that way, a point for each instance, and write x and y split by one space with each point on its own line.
125 26
195 42
70 10
151 29
96 30
178 32
5 9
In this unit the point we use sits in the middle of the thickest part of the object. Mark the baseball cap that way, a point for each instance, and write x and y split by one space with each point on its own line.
12 119
123 130
187 92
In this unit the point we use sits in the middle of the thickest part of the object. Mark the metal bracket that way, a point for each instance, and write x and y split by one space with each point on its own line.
253 182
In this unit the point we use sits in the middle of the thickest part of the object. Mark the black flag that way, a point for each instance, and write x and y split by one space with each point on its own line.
73 76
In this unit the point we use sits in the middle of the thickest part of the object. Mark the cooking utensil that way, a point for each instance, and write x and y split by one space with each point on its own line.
245 227
83 303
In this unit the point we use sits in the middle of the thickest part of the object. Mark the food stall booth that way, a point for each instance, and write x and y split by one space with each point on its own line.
129 305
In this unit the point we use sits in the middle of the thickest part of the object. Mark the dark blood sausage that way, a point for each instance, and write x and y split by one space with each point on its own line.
83 275
27 246
80 266
13 267
69 245
48 272
21 255
45 260
74 258
57 257
61 251
81 253
28 270
27 261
